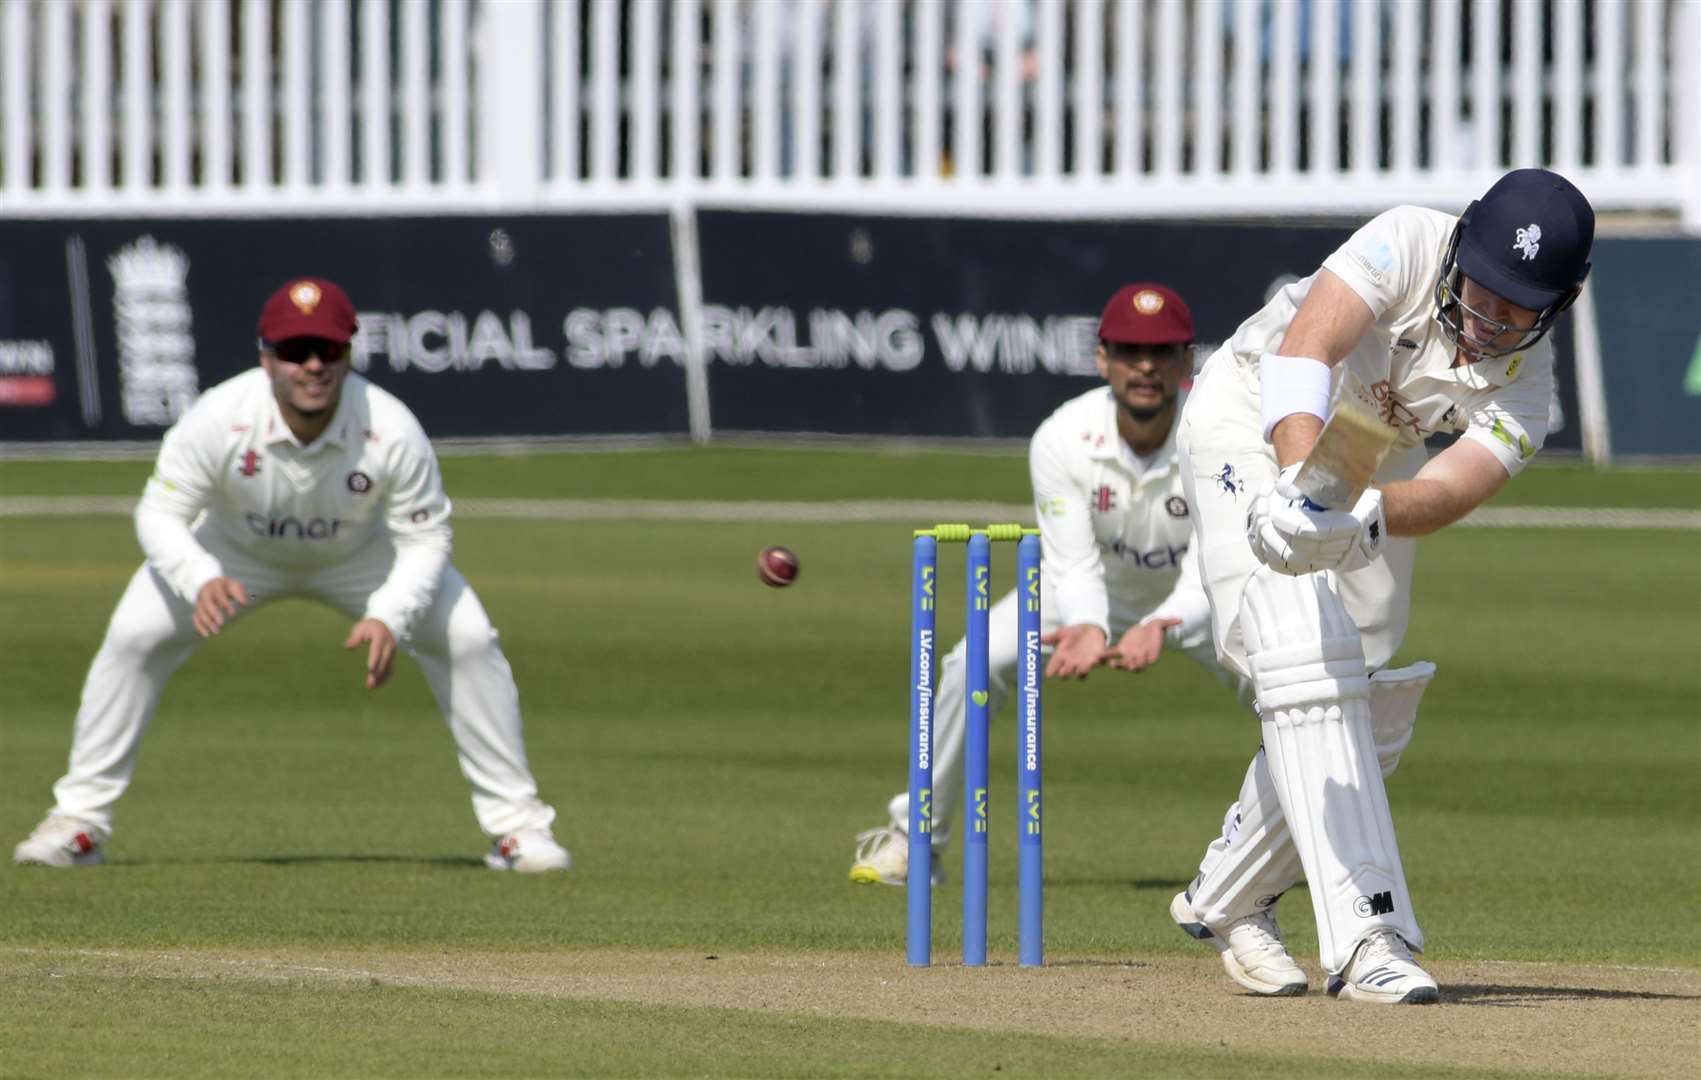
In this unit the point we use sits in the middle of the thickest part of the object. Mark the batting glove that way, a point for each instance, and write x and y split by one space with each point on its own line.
1372 530
1293 535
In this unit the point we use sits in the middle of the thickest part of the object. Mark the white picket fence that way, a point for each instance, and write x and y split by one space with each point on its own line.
1128 108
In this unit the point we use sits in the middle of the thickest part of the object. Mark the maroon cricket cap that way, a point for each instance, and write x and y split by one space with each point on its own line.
1146 313
308 307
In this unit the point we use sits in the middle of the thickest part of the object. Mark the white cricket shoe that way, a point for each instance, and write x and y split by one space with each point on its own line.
1251 948
1383 972
61 841
529 851
883 858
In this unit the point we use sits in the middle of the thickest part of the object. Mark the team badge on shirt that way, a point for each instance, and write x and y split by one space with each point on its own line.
1176 505
1227 481
359 482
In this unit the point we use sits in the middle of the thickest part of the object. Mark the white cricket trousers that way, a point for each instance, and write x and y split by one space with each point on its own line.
151 635
951 699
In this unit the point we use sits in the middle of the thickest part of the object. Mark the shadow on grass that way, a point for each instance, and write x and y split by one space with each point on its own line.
456 862
1504 995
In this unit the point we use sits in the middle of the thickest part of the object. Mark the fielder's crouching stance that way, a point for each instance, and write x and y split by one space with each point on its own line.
1436 323
299 478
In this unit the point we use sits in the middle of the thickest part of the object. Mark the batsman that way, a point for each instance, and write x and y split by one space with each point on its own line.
1428 324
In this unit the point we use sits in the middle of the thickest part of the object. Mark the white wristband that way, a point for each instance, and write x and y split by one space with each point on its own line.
1291 384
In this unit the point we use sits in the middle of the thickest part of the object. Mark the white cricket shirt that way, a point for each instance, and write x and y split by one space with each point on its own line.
1115 532
233 458
1403 367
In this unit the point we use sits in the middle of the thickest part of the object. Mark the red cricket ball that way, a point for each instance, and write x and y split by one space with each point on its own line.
776 566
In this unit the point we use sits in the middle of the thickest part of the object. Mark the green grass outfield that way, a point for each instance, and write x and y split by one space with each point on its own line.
713 745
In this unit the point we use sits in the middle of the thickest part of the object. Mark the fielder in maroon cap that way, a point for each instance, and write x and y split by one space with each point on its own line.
300 478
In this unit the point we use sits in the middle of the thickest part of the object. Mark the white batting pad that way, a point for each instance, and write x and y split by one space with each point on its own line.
1254 861
1314 697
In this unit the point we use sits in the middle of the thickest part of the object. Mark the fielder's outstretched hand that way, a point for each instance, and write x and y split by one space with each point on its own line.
216 602
1141 646
381 656
1079 650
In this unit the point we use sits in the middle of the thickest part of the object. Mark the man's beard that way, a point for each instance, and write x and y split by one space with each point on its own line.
1143 414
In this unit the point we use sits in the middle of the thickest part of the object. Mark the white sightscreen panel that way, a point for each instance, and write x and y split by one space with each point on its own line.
256 104
1323 141
1048 101
453 44
684 132
1366 100
1609 85
805 161
1485 84
1567 92
605 90
416 94
643 63
96 90
887 93
927 53
967 152
297 111
1444 85
564 86
725 121
1406 42
1244 121
55 91
1167 59
375 93
1526 83
1284 88
334 89
1650 69
1089 89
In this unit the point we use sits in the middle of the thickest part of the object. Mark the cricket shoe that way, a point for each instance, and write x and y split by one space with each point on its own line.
1383 972
61 841
1251 948
529 851
883 858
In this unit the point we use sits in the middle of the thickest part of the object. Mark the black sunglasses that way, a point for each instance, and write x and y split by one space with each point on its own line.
302 349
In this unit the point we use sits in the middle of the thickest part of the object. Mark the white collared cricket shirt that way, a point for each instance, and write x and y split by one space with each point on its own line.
1403 367
1116 531
230 472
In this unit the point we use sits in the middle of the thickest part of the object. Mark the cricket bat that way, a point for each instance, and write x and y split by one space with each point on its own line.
1347 454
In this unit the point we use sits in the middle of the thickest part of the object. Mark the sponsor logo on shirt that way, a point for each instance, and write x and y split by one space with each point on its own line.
293 528
1155 559
250 463
1104 500
1393 411
1176 505
359 482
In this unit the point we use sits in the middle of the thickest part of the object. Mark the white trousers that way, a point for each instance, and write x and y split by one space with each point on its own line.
1225 461
951 698
150 635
